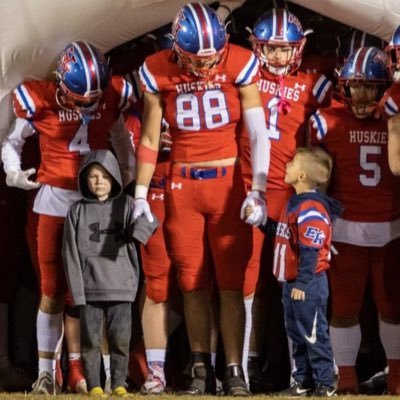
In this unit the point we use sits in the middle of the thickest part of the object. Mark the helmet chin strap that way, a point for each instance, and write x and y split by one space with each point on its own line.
85 116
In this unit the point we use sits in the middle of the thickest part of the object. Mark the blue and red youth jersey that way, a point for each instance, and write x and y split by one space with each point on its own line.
303 236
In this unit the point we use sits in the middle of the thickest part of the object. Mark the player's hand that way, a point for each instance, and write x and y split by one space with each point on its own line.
165 141
254 209
20 179
142 207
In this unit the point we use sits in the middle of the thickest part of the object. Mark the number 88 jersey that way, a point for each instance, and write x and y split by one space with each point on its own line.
203 113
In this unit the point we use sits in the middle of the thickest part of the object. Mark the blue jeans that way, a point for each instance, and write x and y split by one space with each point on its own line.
117 317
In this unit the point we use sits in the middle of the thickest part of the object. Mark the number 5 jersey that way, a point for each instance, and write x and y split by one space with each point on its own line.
361 179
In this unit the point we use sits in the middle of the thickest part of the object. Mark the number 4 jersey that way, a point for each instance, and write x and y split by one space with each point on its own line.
361 179
202 114
64 138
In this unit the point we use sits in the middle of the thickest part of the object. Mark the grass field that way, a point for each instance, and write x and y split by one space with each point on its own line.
16 396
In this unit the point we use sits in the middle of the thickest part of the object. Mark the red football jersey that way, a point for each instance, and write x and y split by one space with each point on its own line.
63 137
303 94
361 179
306 224
390 102
202 114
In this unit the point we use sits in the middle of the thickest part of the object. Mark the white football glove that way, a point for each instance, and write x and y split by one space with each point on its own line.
20 179
142 207
254 209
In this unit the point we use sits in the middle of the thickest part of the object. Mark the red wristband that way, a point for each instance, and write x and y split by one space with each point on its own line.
147 155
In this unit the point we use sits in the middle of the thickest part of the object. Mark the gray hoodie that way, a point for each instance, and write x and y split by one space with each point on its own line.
99 255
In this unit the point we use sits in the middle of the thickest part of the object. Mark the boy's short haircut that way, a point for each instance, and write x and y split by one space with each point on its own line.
317 165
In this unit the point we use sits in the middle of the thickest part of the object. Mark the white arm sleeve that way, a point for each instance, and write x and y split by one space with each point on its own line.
13 143
122 145
260 146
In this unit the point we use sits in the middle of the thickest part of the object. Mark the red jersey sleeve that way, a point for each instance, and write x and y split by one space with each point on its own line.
390 102
31 97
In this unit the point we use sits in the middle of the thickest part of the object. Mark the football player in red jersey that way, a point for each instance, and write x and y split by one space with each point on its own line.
367 235
289 96
78 112
204 87
390 103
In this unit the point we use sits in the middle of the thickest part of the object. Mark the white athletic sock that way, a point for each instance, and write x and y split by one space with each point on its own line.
106 364
248 306
390 338
49 335
345 344
156 361
49 331
74 356
47 365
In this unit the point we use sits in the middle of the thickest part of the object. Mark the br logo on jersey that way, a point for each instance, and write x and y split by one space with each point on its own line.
317 236
67 56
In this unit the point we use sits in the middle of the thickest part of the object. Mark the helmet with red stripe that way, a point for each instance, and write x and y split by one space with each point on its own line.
82 77
199 39
278 41
364 79
393 50
356 39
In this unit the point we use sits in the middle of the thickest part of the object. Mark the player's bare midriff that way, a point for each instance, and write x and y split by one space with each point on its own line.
224 162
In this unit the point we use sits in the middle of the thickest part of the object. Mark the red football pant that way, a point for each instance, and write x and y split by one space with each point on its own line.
155 261
353 267
201 212
52 277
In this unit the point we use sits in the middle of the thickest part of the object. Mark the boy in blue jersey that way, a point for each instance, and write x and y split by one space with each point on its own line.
301 257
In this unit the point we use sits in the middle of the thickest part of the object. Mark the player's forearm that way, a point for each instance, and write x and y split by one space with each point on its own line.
145 172
394 144
13 144
260 146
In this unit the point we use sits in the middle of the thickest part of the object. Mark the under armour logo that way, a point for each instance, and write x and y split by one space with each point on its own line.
118 231
316 236
301 87
176 185
220 77
157 196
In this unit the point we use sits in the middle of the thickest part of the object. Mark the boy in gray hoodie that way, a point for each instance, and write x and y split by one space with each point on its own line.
101 265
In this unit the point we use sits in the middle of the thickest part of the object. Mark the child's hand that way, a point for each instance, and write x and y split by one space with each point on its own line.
298 294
